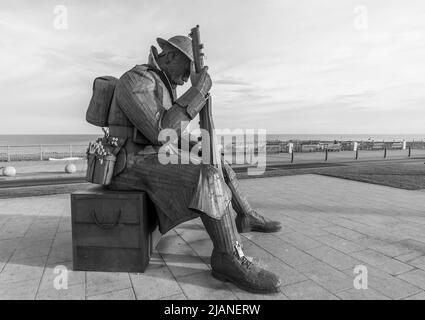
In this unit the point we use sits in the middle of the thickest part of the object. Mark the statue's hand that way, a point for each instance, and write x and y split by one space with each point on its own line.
201 80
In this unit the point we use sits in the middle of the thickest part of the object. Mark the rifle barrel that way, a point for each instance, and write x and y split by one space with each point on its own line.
196 47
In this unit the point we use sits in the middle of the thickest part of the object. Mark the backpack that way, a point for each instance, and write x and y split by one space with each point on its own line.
100 103
103 92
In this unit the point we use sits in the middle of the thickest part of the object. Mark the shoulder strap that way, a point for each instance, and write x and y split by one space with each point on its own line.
164 79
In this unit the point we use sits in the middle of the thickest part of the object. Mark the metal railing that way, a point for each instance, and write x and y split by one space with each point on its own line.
41 152
47 151
310 151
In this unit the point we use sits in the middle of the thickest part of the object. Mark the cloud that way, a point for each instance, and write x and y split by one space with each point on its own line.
282 65
232 82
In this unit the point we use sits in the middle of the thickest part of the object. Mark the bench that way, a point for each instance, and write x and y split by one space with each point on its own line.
112 230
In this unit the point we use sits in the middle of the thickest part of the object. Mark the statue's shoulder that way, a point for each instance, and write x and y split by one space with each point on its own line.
139 72
137 78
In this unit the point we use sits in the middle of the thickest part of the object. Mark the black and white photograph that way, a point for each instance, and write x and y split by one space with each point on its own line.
225 153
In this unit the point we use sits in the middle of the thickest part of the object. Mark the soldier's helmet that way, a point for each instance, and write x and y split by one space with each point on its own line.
182 43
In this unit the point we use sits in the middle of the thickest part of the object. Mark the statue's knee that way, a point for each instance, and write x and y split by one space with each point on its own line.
212 174
210 171
229 173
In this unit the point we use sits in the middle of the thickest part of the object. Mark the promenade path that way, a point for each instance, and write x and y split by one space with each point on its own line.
330 226
28 168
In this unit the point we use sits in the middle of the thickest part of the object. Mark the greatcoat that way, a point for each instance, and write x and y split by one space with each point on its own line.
143 104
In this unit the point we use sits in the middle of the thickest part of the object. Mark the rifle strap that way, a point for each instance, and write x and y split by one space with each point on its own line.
165 80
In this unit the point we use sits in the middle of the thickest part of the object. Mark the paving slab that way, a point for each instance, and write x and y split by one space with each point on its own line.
280 249
19 290
105 282
419 296
344 233
203 286
329 226
415 277
156 282
299 240
329 278
388 249
334 258
418 262
179 257
361 294
307 290
409 256
381 261
72 292
288 274
178 296
23 270
386 284
56 268
125 294
339 243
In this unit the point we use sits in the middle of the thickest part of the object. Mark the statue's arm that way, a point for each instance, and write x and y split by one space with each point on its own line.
138 98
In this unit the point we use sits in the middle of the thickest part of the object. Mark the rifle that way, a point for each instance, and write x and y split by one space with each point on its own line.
209 142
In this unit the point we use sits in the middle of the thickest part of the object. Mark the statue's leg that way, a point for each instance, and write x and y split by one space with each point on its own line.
247 218
239 201
223 232
228 262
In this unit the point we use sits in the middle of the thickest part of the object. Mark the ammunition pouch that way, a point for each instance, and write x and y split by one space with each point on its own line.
133 141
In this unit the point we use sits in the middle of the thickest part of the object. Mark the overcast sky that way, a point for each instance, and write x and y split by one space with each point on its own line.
292 66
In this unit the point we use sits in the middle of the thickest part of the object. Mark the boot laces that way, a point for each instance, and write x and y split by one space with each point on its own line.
245 260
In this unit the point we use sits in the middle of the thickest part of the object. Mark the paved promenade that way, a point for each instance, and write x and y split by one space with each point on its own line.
330 226
36 168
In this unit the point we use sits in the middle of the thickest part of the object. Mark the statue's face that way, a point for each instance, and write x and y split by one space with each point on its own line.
177 68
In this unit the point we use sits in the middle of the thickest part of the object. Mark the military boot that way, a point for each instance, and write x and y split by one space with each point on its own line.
242 272
256 222
229 263
247 218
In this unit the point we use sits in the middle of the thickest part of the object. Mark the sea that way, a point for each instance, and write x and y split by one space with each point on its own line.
84 139
50 139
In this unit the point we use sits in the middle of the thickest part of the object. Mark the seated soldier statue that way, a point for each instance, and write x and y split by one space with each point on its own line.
143 104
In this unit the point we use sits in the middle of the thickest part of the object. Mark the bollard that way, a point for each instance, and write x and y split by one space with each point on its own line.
70 168
385 153
410 150
357 154
326 154
291 151
9 171
251 152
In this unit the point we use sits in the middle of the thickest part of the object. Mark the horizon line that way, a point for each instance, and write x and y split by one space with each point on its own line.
269 132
